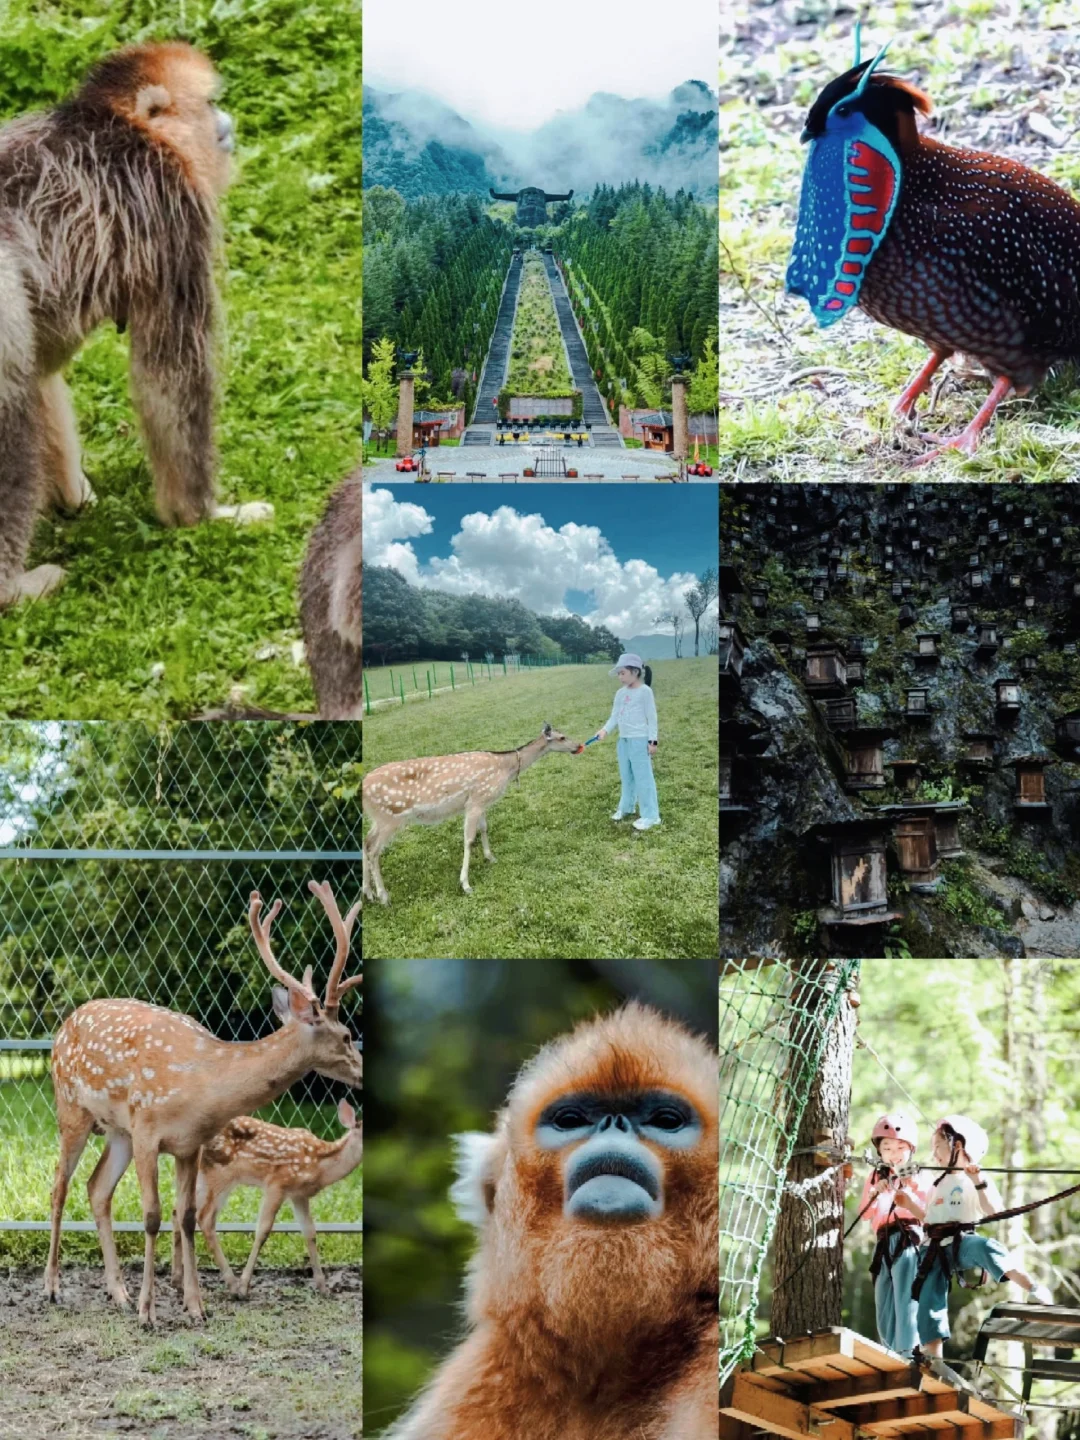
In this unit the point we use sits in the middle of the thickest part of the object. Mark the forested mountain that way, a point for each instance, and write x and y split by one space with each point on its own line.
416 145
402 621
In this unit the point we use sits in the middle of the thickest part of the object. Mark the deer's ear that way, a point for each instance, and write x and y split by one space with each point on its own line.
346 1114
281 1003
546 730
301 1007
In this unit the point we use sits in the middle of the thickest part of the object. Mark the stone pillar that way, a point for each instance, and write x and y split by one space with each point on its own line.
680 417
406 384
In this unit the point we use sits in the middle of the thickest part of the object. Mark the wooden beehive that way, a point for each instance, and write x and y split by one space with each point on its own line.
1031 782
1008 695
948 834
918 704
826 669
865 760
916 847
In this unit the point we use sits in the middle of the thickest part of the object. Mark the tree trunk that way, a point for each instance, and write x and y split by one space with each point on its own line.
808 1266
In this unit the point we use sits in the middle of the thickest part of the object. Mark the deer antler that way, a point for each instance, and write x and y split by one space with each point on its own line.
342 933
261 931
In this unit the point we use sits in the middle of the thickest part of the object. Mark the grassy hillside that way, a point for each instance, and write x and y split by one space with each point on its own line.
155 622
567 880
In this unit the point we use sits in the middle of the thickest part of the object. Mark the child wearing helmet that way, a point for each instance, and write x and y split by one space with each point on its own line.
892 1204
958 1198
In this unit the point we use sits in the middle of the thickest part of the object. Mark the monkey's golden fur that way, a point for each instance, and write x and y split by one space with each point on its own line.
578 1331
109 211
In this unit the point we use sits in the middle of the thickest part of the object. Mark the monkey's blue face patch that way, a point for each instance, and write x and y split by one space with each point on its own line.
849 192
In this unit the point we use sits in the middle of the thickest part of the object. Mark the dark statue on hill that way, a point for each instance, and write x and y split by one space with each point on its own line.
531 205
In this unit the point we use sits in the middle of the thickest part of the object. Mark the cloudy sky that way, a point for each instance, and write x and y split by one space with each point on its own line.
479 56
579 548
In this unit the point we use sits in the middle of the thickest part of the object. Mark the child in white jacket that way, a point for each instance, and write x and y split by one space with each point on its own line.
633 714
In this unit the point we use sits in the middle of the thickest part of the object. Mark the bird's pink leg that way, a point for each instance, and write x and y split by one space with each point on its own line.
906 404
968 440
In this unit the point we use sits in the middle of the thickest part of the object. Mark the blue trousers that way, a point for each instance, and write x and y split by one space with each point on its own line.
897 1312
977 1252
638 785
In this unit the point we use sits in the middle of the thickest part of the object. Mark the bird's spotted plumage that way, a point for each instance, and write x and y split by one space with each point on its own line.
978 253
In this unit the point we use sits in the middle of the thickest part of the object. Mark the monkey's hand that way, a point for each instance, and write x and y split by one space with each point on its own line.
254 512
33 584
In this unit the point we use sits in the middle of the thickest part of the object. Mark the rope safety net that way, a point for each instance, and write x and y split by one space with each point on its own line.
774 1021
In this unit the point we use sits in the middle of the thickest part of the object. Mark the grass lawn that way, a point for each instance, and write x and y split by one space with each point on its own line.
568 881
153 622
985 64
28 1150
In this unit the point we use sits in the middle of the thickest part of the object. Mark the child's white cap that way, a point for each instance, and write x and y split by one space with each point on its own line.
626 659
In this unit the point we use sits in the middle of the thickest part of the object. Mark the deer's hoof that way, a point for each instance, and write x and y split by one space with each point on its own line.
121 1297
147 1319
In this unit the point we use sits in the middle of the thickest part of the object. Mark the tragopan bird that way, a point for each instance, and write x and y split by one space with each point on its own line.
968 251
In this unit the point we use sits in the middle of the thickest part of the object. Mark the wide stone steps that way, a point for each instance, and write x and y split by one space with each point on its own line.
593 411
498 356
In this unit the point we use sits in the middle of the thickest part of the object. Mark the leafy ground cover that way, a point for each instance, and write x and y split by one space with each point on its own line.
799 403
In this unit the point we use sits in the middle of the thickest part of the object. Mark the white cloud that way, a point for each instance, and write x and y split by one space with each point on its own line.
505 552
476 59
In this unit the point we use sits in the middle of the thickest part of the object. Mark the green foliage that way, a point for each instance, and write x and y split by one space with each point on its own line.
379 389
896 947
960 898
804 926
1023 862
154 622
433 277
637 259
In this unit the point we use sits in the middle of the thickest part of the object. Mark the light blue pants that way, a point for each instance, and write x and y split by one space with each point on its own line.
976 1252
638 785
897 1312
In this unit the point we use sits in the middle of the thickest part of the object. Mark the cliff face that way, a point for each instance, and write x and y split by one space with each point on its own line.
1010 555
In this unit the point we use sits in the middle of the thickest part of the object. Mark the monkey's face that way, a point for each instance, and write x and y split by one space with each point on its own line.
169 92
597 1196
612 1150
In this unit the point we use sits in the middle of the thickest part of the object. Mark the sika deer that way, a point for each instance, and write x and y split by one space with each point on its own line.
154 1081
432 788
291 1165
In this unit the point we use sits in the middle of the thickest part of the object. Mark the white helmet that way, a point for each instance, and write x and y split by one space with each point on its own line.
972 1136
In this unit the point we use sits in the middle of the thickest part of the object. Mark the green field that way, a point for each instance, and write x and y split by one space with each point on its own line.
153 622
568 881
28 1150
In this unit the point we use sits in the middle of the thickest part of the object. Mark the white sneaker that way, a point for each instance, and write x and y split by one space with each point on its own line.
1041 1295
618 815
645 824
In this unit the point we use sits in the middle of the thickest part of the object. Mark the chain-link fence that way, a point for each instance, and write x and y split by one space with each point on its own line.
127 857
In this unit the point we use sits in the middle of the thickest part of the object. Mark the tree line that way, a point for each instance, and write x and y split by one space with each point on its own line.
402 622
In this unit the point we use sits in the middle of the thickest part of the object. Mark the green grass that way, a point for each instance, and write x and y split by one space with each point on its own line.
28 1150
154 622
537 355
834 425
568 881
